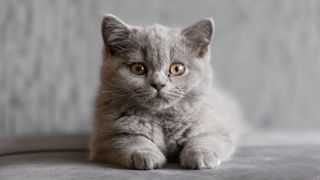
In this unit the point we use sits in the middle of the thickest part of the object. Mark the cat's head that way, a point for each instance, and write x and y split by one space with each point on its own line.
156 66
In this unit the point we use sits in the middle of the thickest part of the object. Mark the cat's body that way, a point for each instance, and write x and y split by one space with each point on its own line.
168 111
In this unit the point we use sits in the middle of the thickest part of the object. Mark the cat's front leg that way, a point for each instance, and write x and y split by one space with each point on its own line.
131 151
206 151
147 159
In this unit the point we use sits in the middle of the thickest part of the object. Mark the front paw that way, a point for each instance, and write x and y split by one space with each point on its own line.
199 159
147 159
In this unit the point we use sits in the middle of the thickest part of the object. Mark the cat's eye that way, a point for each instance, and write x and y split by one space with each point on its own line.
138 69
177 69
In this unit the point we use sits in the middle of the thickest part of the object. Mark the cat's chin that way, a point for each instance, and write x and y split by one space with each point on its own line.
157 104
159 107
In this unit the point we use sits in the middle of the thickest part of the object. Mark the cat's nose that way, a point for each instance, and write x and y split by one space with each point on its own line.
157 86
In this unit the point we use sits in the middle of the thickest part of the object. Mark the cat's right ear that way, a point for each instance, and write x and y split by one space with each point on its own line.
115 34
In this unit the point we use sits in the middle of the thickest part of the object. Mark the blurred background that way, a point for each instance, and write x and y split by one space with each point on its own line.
266 53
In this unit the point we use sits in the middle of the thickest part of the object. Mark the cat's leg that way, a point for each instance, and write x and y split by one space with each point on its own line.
130 151
206 151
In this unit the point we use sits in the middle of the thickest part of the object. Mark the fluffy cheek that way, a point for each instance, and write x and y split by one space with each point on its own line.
187 82
131 80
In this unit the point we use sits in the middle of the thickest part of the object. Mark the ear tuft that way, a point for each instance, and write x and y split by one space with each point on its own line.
115 34
199 35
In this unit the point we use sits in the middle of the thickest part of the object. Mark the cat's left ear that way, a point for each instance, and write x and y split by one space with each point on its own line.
199 36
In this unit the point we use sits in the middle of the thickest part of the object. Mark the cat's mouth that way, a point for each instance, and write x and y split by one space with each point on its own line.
158 99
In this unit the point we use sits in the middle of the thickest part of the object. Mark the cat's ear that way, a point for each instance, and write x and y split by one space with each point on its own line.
115 34
199 36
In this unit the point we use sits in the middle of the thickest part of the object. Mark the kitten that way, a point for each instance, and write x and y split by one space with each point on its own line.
157 102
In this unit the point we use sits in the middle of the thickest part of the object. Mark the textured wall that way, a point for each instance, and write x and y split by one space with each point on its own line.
265 52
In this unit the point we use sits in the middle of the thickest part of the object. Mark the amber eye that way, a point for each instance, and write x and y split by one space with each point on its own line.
138 69
177 69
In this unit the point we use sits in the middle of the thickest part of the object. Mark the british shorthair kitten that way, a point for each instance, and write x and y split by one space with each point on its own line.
157 101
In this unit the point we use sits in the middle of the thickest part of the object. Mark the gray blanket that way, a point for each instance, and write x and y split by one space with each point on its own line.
261 156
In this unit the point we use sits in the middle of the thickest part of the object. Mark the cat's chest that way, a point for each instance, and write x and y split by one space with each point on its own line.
174 129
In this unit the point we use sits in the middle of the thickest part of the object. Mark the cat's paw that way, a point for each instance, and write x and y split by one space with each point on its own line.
147 159
199 159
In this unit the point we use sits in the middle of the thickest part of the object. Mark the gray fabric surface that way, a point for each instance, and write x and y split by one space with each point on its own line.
260 157
265 52
14 145
249 163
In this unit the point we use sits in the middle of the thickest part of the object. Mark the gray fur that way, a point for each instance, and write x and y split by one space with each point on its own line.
191 121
